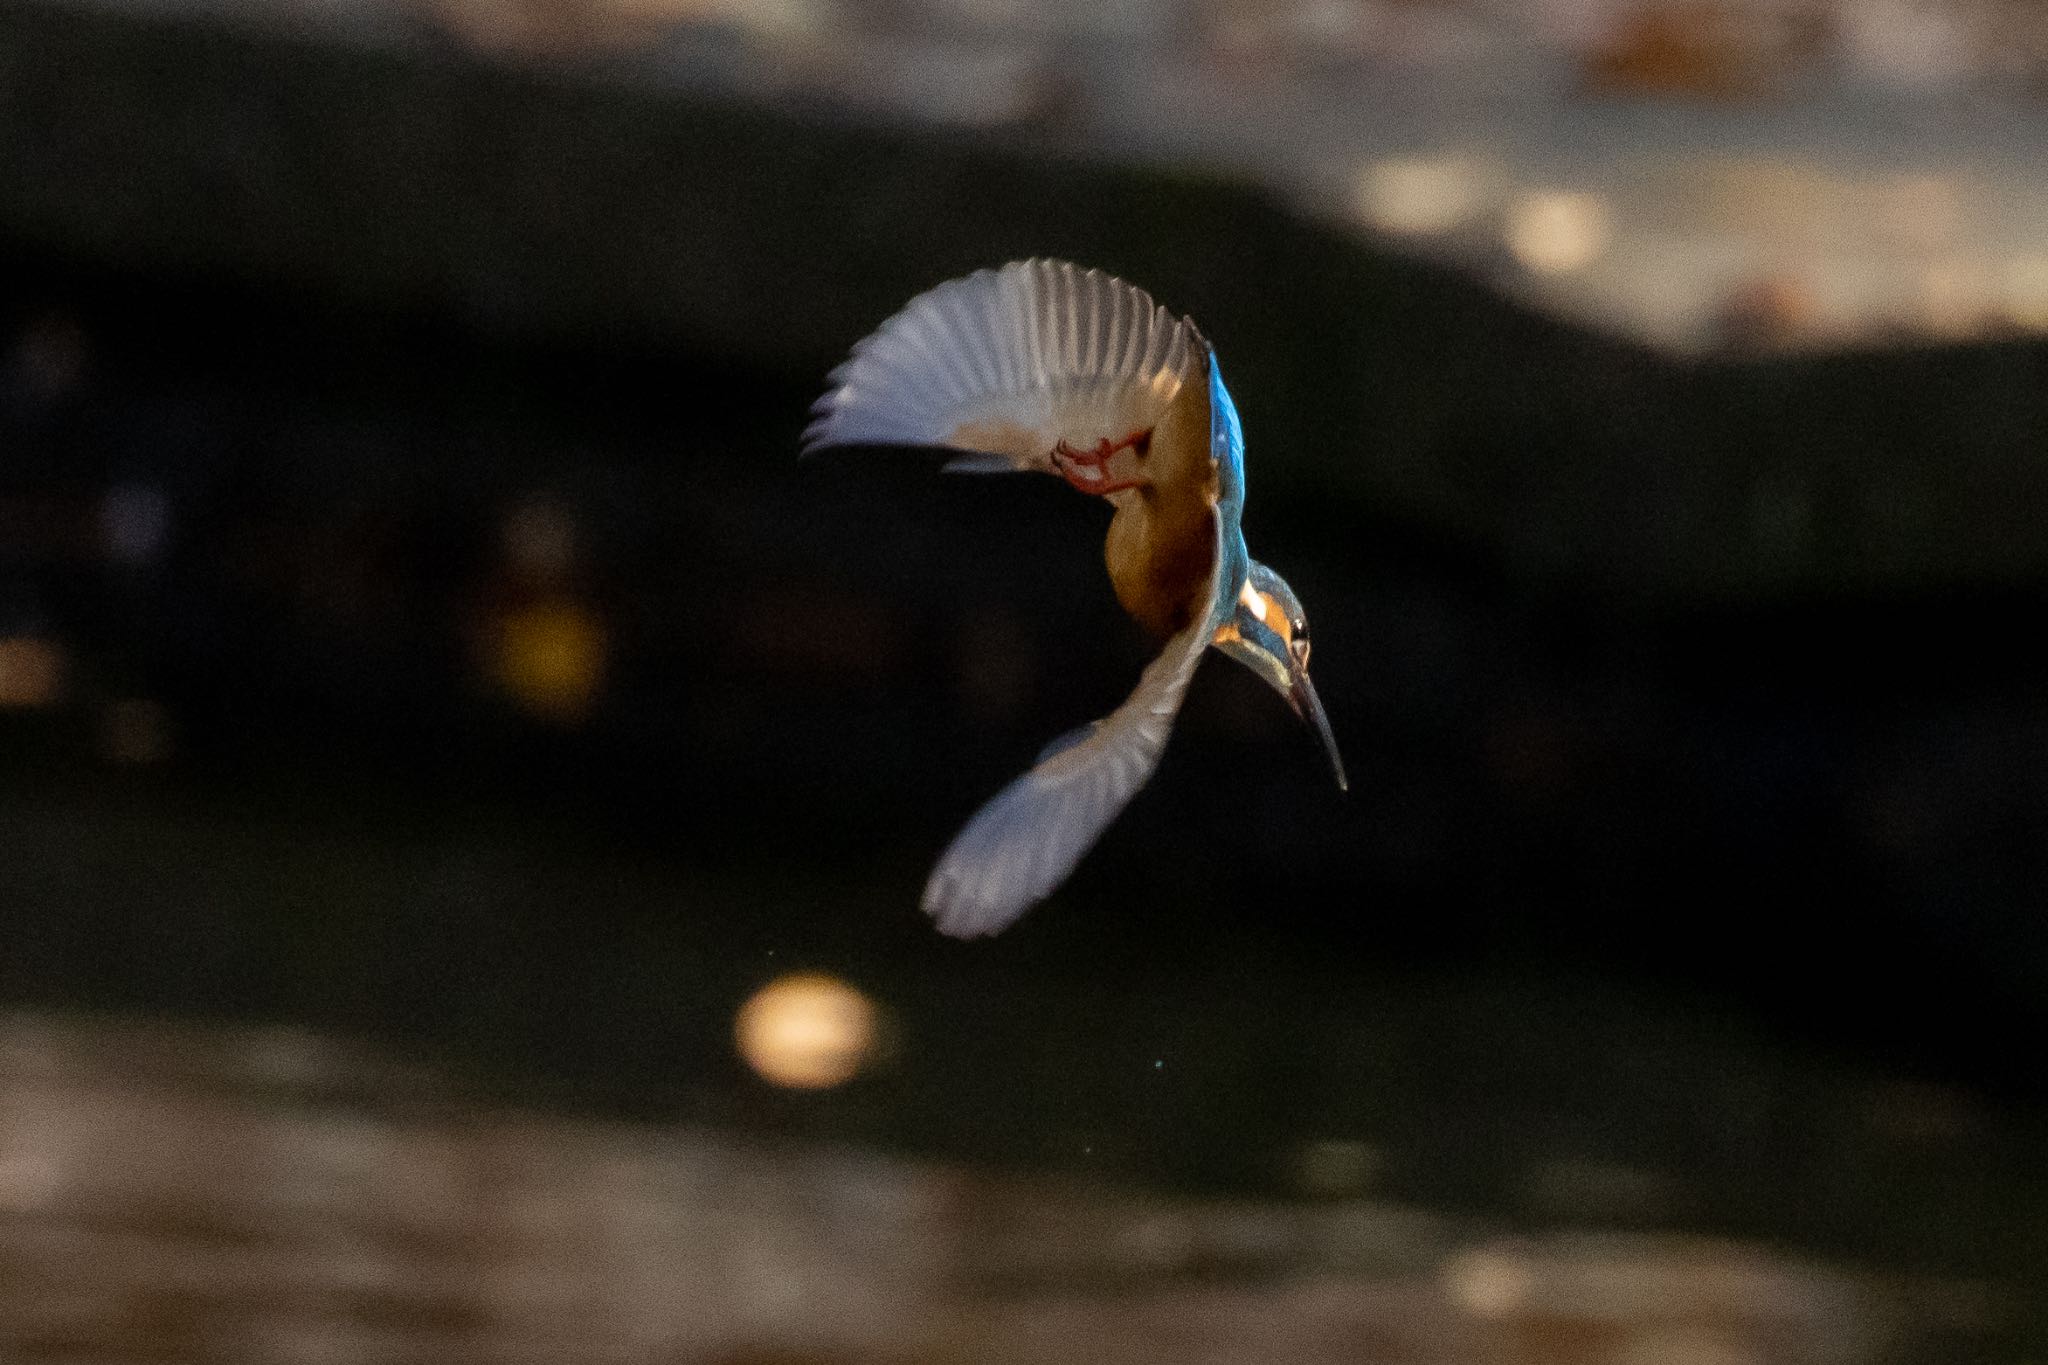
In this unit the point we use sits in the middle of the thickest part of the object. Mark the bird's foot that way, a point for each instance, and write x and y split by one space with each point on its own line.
1090 470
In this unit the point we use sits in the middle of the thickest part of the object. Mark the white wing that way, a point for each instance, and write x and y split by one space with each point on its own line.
1026 840
1006 363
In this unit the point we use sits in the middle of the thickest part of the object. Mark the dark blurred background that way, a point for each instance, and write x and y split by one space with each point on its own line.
465 786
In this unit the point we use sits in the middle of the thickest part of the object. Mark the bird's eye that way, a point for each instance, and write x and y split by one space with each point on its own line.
1299 644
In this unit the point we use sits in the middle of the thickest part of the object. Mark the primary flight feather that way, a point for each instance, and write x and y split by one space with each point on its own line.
1042 365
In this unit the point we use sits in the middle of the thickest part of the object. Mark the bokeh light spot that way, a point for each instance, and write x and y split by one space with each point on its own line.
1416 196
807 1031
540 540
551 658
1555 233
1488 1284
135 522
135 730
32 672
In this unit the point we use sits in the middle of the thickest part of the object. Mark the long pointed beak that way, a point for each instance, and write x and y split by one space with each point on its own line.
1302 694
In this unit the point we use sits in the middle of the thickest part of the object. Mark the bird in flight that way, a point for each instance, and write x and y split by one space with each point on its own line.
1042 365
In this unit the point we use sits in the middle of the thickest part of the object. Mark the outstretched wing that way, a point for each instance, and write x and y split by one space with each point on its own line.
1025 841
1004 364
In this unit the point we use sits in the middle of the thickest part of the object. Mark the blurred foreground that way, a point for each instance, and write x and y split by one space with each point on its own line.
182 1193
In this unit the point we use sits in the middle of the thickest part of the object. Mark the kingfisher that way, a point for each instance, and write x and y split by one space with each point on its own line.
1047 367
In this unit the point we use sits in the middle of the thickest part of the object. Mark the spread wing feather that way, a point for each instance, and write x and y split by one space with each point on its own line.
1025 841
1004 364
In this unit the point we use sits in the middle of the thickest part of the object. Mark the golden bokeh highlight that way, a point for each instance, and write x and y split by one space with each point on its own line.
807 1031
32 672
550 658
